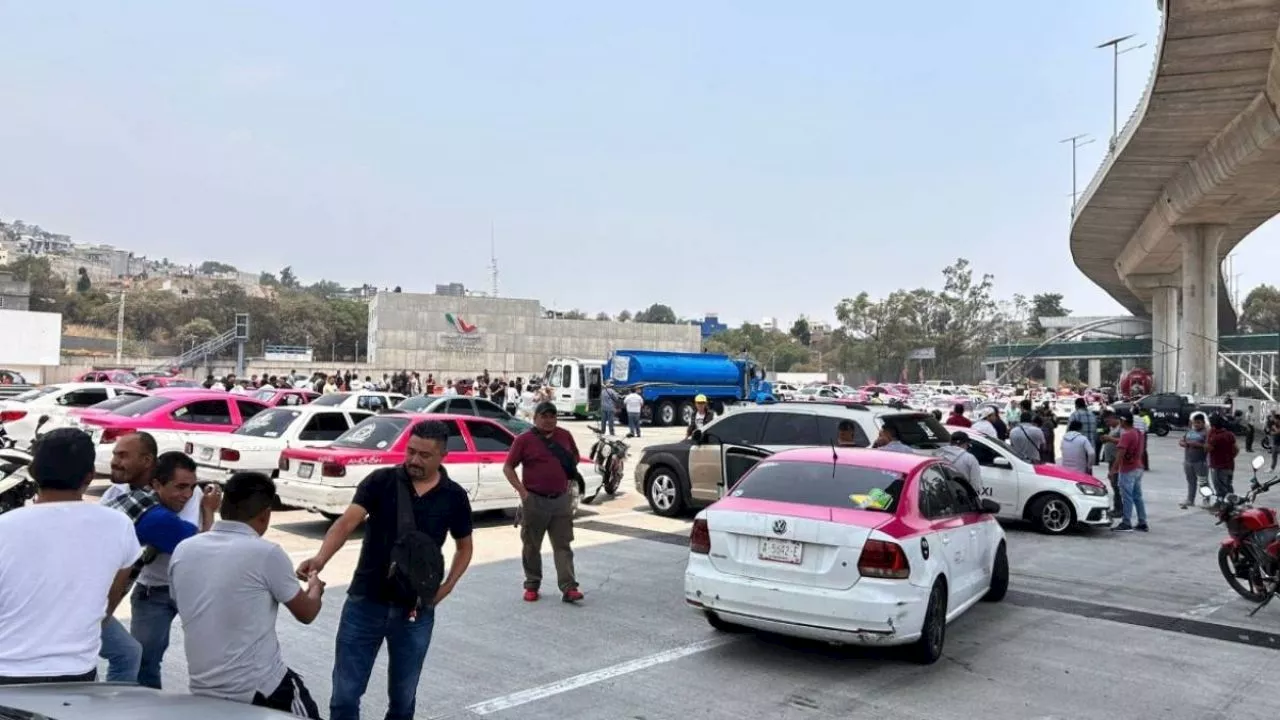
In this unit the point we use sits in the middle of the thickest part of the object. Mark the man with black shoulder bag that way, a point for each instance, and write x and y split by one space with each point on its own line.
400 577
548 459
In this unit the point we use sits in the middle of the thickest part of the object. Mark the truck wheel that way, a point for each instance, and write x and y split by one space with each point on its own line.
686 413
664 413
717 407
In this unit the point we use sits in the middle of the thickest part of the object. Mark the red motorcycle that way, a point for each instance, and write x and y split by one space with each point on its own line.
1250 556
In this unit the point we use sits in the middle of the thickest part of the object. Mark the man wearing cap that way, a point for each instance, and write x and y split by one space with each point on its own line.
986 425
702 415
547 457
957 453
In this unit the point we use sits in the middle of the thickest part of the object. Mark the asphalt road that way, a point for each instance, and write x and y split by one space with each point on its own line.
1096 625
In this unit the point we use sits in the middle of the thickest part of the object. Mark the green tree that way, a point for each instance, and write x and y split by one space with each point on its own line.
1261 312
657 313
602 316
800 331
83 283
288 279
268 279
212 267
326 289
195 332
575 314
1045 305
47 289
624 316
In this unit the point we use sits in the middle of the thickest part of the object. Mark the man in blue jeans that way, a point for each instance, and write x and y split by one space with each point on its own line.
375 610
1127 466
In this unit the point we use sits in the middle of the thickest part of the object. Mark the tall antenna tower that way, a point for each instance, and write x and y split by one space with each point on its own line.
493 261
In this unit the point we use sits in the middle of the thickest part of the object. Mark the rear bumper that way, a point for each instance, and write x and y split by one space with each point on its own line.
314 497
212 474
872 612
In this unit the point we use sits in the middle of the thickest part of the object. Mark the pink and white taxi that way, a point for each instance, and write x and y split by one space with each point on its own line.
852 546
1053 498
171 416
325 480
256 445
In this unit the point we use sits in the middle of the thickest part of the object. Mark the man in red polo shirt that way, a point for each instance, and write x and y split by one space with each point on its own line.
548 458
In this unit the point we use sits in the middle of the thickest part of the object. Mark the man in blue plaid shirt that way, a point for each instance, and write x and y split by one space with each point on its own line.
1088 421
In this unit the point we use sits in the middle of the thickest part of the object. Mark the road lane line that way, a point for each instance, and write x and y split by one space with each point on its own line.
516 699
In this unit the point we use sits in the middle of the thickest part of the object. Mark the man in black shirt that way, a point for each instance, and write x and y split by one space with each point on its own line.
374 611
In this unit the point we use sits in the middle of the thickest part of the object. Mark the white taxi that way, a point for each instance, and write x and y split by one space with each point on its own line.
360 400
1053 498
324 480
24 414
256 445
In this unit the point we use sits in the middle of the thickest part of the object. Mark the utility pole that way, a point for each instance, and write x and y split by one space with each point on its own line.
1116 52
120 330
1077 142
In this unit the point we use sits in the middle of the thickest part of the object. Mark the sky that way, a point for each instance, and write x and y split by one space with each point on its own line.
744 157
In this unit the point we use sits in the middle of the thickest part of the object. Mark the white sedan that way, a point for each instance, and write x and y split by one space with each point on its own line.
866 548
22 414
256 445
360 400
1053 498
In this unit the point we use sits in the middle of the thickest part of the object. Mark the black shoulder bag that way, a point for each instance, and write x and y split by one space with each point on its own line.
569 464
417 563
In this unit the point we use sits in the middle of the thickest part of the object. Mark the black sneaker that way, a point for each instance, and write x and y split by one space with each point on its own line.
1122 527
1142 528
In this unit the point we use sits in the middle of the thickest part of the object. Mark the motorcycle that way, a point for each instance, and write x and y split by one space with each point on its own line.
16 485
609 455
1251 552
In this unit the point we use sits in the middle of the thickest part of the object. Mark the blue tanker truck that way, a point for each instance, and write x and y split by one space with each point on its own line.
669 381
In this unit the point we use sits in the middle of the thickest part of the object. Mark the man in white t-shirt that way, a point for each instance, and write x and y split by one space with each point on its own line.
634 403
65 566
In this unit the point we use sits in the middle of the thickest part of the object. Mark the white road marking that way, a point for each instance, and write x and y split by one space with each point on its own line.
516 699
1211 607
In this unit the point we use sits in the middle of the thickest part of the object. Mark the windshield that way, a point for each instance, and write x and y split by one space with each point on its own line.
265 395
142 406
376 433
32 394
269 423
417 403
919 430
330 400
822 484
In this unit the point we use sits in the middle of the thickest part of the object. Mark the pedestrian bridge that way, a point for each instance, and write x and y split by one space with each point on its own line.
1137 348
1195 170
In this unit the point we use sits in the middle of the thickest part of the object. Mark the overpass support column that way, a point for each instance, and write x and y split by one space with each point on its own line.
1052 369
1095 372
1198 359
1164 326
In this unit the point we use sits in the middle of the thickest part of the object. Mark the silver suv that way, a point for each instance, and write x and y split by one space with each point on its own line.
675 477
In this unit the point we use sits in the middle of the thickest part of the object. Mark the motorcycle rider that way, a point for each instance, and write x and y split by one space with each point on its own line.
702 415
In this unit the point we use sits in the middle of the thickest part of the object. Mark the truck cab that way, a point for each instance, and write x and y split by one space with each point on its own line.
576 384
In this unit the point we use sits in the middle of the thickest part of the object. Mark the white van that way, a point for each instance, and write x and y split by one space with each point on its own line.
576 384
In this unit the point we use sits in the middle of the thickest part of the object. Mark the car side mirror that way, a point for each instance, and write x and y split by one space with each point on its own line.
991 507
1002 463
696 437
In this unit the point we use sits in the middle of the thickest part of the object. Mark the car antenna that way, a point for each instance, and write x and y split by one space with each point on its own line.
835 458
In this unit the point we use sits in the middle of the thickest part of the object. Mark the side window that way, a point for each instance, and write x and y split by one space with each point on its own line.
204 412
783 428
567 379
356 416
966 500
292 399
459 406
83 398
489 437
829 431
739 428
489 410
936 497
371 402
456 442
985 455
324 426
248 409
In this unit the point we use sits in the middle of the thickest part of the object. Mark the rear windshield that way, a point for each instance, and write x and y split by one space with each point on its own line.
330 399
268 423
34 393
822 484
417 403
117 402
375 433
919 430
142 406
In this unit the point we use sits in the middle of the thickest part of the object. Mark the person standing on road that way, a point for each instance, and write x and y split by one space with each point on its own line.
228 584
65 566
1026 439
377 609
547 456
1221 448
1113 429
1077 448
154 512
1273 429
1128 469
1088 424
1194 459
986 424
957 453
957 418
608 408
702 416
634 403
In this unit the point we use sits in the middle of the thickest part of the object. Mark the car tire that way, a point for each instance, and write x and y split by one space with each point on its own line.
721 625
933 632
662 490
1052 514
685 415
999 576
1160 430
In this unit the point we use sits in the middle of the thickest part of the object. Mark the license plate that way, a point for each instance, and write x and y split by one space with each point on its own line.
305 470
206 453
783 551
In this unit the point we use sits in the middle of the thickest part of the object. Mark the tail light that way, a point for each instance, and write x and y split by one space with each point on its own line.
229 455
333 469
12 415
110 435
283 463
188 448
882 559
700 538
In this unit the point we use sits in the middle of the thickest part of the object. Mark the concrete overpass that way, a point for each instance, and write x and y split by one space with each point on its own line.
1195 170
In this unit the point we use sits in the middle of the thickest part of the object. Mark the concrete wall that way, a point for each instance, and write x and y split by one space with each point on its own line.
413 332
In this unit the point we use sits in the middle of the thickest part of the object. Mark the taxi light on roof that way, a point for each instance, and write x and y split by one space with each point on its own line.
882 559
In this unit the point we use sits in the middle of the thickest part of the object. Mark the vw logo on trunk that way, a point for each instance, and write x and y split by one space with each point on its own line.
780 527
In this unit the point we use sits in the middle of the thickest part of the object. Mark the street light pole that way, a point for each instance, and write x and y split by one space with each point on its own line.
1116 52
1077 142
120 330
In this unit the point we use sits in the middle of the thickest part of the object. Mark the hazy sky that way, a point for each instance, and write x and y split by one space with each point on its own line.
748 157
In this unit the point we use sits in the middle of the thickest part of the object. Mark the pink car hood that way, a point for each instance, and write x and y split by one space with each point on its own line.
1060 473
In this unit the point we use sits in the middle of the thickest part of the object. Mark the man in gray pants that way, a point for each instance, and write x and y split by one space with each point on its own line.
548 458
